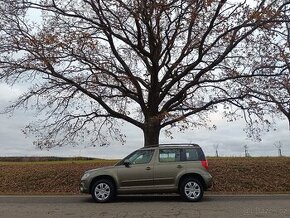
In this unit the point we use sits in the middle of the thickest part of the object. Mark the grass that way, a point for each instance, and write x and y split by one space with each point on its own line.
231 175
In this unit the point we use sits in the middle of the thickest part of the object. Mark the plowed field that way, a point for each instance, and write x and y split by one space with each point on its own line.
231 175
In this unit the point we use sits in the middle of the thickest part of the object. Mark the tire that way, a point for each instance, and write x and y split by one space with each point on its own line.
191 189
103 191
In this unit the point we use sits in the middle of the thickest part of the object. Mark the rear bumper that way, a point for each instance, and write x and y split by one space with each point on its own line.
209 184
208 180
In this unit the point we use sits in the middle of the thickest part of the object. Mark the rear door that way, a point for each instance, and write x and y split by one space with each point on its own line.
167 166
191 158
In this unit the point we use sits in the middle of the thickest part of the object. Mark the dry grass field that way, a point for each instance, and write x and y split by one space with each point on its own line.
231 175
251 175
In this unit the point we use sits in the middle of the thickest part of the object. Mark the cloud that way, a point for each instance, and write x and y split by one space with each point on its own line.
229 136
231 139
8 93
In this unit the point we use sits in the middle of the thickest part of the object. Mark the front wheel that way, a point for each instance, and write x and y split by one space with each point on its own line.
103 191
191 190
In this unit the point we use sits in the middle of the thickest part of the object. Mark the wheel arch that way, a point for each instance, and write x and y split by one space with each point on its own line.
192 175
100 178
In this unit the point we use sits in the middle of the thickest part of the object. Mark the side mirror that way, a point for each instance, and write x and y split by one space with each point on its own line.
127 163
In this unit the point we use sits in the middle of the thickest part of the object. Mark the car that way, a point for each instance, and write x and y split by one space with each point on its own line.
178 168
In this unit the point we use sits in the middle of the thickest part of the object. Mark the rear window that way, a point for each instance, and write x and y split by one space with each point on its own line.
191 154
169 155
181 154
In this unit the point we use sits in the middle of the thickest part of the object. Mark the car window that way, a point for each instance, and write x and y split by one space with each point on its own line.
141 157
191 154
169 155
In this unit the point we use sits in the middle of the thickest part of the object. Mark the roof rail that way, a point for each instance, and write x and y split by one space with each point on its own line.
173 144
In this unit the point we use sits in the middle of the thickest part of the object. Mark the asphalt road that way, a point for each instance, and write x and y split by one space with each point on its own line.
145 206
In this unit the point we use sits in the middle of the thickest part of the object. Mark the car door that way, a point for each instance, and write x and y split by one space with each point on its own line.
167 167
139 173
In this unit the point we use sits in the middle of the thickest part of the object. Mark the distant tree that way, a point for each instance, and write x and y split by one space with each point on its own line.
156 64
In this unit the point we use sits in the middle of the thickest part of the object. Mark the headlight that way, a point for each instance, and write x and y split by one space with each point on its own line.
85 176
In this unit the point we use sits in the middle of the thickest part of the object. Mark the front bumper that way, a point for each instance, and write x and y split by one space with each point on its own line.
84 188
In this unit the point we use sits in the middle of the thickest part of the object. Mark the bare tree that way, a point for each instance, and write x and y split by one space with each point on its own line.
155 64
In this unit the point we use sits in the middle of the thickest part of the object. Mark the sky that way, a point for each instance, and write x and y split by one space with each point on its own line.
229 136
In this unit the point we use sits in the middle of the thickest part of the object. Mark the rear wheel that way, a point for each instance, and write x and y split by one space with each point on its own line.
103 191
191 189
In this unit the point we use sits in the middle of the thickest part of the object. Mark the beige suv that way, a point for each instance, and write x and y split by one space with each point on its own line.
163 169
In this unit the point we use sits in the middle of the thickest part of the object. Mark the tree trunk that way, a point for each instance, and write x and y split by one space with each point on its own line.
151 134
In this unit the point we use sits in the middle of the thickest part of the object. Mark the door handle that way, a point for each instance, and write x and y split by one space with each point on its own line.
148 168
179 166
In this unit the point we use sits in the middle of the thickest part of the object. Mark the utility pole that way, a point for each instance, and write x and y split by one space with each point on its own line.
278 145
246 151
216 146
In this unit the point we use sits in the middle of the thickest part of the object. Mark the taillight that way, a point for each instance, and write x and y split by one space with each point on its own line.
204 163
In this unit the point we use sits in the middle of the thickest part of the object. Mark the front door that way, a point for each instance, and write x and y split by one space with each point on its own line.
140 171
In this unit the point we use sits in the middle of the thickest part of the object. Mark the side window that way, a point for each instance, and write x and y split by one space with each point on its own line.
169 155
191 154
141 157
